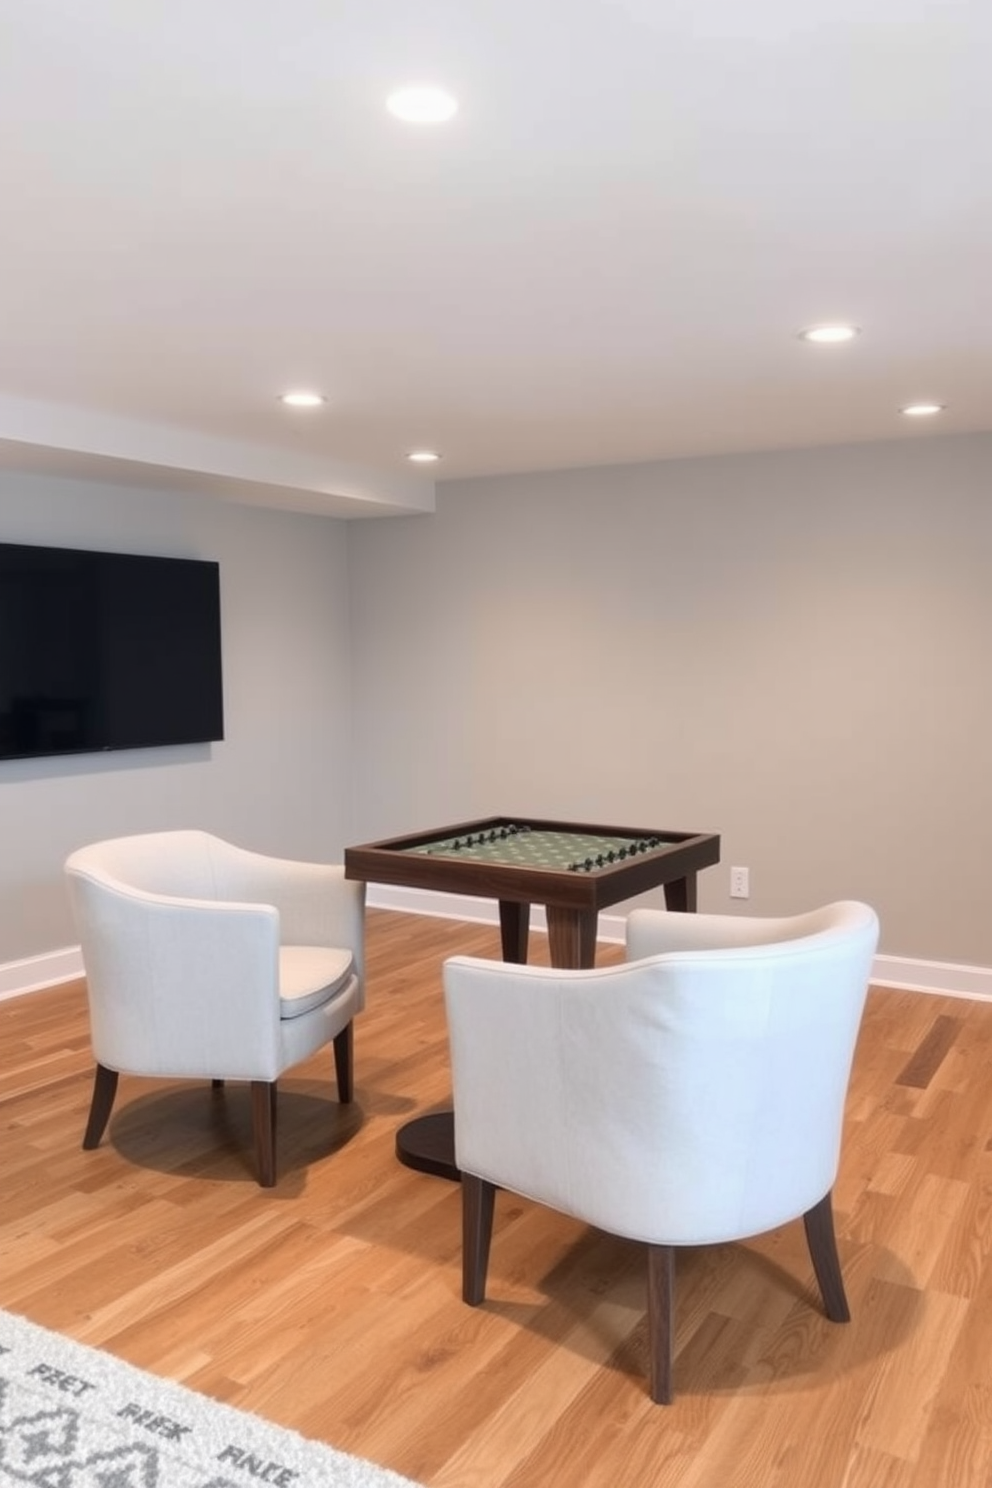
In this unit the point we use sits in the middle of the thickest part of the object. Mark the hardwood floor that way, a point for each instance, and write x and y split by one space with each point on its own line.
332 1302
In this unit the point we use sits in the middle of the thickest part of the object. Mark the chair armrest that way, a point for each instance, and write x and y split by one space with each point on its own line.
526 1044
180 986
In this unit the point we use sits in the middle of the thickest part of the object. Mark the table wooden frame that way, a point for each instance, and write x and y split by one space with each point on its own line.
572 901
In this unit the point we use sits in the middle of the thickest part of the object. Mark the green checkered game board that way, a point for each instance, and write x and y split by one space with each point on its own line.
533 847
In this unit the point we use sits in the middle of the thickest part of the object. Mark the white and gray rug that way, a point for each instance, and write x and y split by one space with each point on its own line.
74 1417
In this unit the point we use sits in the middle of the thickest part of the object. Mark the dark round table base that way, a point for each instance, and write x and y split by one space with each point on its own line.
427 1143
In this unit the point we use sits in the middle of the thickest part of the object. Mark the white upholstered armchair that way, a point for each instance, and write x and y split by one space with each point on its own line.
203 960
692 1095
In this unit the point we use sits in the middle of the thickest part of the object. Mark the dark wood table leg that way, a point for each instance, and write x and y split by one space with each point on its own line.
514 924
572 937
680 894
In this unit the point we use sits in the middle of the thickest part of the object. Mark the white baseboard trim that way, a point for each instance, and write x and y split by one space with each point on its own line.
36 972
944 978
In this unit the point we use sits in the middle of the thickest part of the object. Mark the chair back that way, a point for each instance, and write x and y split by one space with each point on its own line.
686 1097
184 864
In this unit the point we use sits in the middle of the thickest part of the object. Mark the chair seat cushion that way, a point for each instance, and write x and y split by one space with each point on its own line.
310 976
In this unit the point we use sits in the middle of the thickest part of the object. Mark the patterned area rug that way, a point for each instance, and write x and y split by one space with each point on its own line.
73 1417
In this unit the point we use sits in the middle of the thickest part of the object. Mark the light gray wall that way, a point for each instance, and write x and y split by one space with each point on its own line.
789 649
278 782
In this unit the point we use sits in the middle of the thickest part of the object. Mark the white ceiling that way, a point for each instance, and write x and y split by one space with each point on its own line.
605 257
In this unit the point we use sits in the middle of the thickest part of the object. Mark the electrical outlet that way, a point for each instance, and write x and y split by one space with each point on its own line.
740 883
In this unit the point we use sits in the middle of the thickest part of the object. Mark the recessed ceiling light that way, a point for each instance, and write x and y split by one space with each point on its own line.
302 399
922 410
421 104
423 457
829 335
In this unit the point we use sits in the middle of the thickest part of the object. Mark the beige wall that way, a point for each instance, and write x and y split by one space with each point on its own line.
788 649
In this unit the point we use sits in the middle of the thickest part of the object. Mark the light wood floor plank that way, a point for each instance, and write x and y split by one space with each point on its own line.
332 1303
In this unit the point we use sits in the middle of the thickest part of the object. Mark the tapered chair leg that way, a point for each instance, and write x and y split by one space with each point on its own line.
478 1199
822 1241
263 1121
101 1105
344 1063
661 1327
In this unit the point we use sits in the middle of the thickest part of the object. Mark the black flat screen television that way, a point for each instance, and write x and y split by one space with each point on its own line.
104 651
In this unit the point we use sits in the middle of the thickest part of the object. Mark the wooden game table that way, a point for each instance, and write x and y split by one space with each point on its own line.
573 869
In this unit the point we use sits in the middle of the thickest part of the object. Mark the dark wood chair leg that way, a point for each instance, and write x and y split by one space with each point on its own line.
661 1309
101 1105
478 1199
263 1121
344 1063
822 1241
